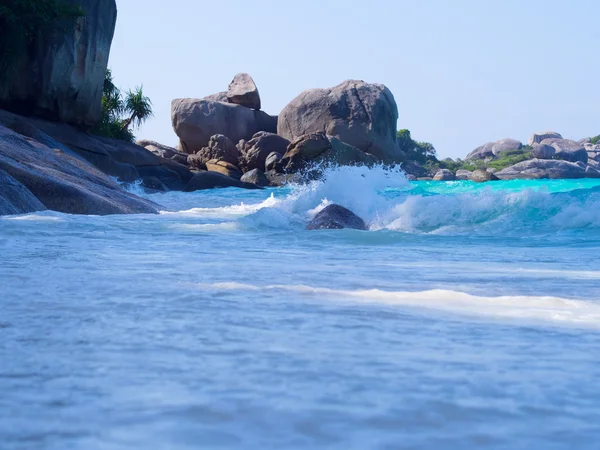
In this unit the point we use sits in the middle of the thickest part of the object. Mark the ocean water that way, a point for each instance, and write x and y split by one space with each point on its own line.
467 317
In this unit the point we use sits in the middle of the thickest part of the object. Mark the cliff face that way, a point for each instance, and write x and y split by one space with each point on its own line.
63 78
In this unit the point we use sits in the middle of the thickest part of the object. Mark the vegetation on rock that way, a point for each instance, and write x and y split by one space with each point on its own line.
23 25
122 112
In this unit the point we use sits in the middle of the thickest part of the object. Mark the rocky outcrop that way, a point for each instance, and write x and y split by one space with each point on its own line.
63 78
444 175
272 161
220 148
278 179
360 114
336 217
537 138
317 148
482 152
543 151
463 174
261 145
195 121
60 181
255 176
415 169
164 151
481 176
120 159
506 145
243 91
218 97
214 180
16 198
567 150
225 168
543 168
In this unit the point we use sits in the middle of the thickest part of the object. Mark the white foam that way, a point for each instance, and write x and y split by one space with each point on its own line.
531 308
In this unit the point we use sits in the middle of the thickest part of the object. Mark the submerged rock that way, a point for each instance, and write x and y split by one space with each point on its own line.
360 114
336 217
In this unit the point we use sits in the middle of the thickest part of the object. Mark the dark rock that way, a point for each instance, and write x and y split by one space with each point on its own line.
567 150
224 167
506 145
277 179
220 148
62 78
272 161
164 151
543 151
542 168
481 176
154 184
336 217
260 147
62 182
213 180
196 162
195 121
16 198
243 91
592 172
483 152
444 175
318 148
537 138
255 176
360 114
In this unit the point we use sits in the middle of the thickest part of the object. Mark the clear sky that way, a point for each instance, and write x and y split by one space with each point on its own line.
463 72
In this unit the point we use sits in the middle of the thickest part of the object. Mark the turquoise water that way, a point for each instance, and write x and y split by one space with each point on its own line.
467 317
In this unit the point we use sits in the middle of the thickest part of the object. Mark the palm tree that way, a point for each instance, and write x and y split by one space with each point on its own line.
138 106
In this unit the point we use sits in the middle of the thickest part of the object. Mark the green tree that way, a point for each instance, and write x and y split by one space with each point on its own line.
421 152
138 106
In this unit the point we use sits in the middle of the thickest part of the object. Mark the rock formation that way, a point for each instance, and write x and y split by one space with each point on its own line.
243 91
336 217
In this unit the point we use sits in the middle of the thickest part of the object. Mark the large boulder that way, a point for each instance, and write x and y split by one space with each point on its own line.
243 91
543 151
255 176
481 176
542 168
220 148
195 121
16 198
62 182
318 148
62 77
567 150
506 145
225 168
444 175
261 145
482 152
272 161
336 217
278 179
415 169
218 97
360 114
213 180
537 138
463 174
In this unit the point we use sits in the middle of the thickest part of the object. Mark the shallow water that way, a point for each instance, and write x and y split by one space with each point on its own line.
467 317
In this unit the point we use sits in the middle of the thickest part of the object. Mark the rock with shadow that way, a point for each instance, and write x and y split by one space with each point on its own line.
336 217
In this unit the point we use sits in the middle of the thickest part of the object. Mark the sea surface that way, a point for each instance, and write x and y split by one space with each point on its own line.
467 317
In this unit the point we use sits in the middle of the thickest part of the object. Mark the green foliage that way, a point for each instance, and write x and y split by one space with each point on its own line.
24 23
596 140
135 106
421 152
509 160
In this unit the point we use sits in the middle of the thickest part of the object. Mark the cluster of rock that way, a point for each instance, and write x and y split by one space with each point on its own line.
353 123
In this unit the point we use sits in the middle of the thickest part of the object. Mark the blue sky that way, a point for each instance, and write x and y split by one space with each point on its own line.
463 72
